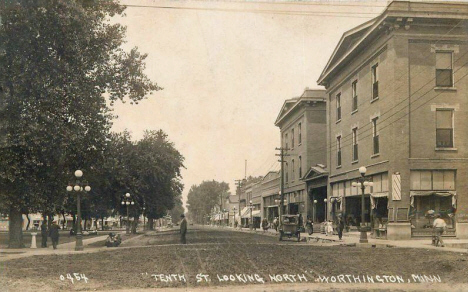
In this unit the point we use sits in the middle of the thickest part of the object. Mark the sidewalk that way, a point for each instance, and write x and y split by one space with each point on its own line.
352 238
64 248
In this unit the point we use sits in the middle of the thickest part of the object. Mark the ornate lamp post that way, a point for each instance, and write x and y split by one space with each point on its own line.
314 217
78 188
127 202
362 183
326 210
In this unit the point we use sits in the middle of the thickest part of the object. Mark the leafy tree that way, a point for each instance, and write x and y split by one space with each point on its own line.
58 61
206 196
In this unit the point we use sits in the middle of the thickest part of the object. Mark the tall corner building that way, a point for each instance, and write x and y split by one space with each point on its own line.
397 91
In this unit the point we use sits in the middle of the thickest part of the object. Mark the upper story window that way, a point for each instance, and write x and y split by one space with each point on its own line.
287 170
338 106
292 170
444 72
300 167
354 93
432 180
375 135
355 145
286 140
444 128
292 138
375 81
338 151
299 130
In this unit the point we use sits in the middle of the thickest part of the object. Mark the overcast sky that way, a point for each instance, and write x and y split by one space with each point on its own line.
226 68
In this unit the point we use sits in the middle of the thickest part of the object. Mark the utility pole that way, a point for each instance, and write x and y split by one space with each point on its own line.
238 184
281 155
245 173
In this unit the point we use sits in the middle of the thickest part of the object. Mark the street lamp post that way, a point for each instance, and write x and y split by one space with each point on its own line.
326 210
127 202
363 183
314 218
78 188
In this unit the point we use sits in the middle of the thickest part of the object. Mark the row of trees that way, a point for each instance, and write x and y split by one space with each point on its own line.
201 199
61 69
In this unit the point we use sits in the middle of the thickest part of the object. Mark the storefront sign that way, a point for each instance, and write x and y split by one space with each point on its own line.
396 187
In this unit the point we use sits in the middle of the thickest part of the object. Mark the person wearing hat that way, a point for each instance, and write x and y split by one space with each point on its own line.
44 233
183 229
54 234
439 228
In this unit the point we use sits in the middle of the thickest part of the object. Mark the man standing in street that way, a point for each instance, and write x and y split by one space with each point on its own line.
183 229
340 226
54 234
44 233
439 228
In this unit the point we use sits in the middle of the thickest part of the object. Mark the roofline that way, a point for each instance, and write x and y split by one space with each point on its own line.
394 9
345 35
299 101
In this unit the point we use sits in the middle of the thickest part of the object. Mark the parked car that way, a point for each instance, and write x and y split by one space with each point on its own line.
289 226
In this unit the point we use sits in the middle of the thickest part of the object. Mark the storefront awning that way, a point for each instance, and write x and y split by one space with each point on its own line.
256 213
380 195
434 193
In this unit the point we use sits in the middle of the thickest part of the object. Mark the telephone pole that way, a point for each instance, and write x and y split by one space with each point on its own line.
238 184
281 155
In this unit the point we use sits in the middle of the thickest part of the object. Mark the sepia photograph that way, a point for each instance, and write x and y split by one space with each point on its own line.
233 145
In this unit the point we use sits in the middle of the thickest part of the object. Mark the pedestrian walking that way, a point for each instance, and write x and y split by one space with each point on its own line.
265 224
439 226
54 234
275 223
183 229
44 233
340 226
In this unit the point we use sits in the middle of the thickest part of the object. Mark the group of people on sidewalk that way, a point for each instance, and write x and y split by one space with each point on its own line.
52 232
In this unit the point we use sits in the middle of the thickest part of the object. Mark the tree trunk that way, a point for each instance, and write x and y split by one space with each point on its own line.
63 223
85 223
151 223
134 225
29 221
51 218
15 230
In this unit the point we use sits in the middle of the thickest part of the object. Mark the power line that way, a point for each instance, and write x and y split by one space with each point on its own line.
424 103
310 3
281 12
366 103
334 144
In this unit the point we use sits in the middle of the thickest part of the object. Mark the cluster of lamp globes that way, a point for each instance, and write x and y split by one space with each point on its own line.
78 188
127 195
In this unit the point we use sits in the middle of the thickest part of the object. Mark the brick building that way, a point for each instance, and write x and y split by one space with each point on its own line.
302 123
270 195
398 105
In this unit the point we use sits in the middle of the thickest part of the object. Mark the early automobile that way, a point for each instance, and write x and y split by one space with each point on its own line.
290 227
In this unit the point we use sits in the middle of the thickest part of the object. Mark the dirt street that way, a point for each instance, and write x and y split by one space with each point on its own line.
232 260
